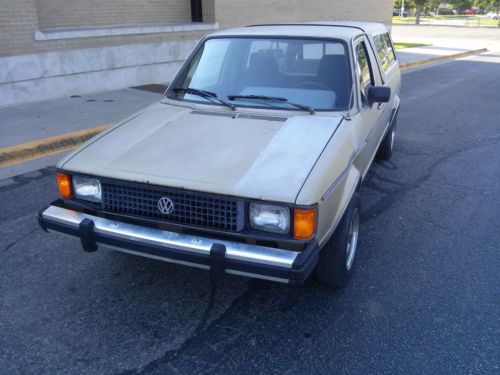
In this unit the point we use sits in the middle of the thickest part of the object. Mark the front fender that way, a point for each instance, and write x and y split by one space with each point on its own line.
333 181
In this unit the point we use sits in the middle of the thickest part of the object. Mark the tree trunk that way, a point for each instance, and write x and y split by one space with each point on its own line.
417 15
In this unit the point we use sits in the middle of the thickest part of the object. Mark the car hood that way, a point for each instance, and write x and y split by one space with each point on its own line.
232 153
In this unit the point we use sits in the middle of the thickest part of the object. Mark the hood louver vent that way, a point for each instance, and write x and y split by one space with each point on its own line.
236 116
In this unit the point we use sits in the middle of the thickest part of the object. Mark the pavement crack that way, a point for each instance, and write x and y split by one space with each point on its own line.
12 244
175 353
391 195
200 332
24 179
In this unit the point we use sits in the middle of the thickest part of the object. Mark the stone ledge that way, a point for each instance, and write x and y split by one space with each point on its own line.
14 69
55 34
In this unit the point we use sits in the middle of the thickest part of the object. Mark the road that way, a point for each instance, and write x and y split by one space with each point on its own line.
424 297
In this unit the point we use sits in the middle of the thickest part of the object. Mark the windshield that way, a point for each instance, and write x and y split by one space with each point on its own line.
311 73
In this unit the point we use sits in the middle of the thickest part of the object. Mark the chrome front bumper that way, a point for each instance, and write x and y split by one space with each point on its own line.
218 256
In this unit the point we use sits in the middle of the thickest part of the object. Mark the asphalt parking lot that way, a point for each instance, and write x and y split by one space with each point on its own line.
425 296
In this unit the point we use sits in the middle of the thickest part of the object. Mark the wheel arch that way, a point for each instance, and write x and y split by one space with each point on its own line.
335 202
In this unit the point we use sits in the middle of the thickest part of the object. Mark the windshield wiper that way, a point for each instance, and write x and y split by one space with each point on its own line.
273 99
204 94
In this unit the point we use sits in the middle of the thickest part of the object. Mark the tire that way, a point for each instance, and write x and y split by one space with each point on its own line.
336 259
387 145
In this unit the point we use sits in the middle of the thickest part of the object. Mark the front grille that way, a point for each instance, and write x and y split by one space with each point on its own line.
190 208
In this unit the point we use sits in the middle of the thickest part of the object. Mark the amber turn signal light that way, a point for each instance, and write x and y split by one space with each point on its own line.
304 223
64 183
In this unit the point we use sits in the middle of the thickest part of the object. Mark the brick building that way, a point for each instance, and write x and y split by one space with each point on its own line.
51 48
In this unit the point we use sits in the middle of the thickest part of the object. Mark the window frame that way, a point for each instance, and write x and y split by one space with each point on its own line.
362 39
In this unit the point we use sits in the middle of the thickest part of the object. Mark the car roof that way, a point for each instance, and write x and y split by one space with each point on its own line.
345 30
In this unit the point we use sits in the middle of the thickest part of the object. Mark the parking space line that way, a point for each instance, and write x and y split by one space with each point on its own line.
47 146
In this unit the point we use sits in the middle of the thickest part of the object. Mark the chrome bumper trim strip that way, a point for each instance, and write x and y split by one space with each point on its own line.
191 244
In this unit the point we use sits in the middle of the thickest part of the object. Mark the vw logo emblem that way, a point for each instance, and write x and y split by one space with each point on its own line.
166 206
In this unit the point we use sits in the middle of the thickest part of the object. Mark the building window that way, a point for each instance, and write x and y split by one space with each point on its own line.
196 11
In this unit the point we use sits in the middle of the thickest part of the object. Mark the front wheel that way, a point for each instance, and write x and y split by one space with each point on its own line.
336 259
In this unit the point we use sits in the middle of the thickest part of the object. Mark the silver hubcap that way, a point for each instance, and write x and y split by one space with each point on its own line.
352 241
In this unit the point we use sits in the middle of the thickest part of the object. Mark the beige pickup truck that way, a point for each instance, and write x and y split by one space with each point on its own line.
252 161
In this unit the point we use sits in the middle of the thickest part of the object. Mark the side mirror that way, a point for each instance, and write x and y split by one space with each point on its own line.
379 94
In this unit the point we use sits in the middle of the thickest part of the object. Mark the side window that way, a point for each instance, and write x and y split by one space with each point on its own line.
385 50
305 58
381 52
391 54
313 51
365 70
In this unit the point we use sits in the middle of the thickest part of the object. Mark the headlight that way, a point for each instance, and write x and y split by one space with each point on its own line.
88 189
270 218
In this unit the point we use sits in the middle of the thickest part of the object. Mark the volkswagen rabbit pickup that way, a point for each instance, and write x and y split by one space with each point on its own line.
251 163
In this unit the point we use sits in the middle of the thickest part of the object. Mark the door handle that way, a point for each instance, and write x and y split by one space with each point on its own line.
380 105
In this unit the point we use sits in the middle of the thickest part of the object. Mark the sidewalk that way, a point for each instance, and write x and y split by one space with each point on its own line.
35 122
445 41
410 55
441 37
32 121
31 125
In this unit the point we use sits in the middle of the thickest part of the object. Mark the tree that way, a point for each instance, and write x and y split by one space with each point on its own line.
419 6
460 4
434 5
492 5
409 4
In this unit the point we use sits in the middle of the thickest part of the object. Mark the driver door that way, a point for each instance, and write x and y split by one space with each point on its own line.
371 114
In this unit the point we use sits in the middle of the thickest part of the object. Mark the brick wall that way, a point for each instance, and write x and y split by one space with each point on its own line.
231 13
62 63
78 13
20 18
18 21
208 10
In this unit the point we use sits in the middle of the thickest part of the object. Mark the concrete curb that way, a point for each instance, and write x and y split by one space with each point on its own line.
434 60
47 146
